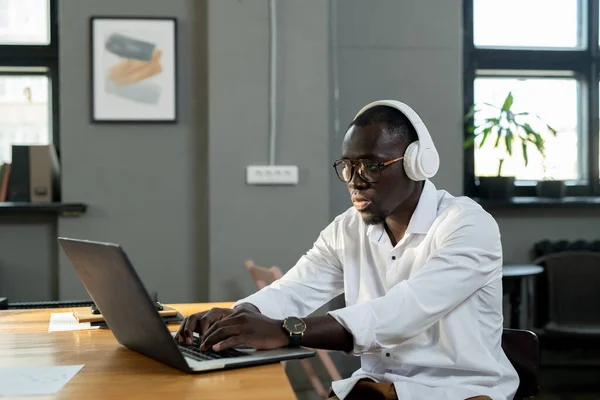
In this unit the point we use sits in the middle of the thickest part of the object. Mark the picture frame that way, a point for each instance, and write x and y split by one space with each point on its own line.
133 69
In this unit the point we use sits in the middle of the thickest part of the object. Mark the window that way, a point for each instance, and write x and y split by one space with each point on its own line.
24 110
546 54
25 22
526 23
28 69
555 101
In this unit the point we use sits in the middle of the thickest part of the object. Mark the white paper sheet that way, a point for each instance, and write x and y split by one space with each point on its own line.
67 322
29 381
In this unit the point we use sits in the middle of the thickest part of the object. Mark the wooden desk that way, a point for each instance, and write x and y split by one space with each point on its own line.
112 371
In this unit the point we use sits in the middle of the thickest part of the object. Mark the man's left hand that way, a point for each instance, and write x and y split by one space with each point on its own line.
245 328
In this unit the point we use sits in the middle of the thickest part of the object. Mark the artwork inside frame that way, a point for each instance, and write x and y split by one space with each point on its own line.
133 69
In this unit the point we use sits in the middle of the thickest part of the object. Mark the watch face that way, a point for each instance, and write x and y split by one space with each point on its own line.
294 325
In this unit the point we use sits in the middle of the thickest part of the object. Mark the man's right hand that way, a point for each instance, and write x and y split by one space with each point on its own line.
202 321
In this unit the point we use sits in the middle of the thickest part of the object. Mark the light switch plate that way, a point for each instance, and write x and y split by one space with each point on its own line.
272 174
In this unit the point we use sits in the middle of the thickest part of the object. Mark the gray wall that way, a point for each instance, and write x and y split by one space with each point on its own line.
28 257
147 186
271 225
409 51
522 228
144 183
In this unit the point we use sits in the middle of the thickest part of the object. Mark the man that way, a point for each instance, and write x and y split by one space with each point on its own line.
421 272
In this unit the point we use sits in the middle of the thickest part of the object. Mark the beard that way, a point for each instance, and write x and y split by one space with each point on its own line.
371 219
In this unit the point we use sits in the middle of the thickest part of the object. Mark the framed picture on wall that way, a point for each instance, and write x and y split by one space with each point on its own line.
133 69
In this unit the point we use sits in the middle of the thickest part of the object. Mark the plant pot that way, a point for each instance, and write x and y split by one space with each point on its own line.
553 189
496 187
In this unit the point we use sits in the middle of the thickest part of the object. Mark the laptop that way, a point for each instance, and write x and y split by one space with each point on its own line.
115 287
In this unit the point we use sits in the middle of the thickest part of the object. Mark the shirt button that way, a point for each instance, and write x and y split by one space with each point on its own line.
393 257
387 354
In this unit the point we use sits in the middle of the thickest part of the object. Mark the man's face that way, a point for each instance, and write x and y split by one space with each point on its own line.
376 201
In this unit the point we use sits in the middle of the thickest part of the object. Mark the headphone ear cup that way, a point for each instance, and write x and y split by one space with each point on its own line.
411 161
429 163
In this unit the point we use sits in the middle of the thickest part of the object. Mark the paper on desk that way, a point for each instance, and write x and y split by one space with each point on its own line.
28 381
67 322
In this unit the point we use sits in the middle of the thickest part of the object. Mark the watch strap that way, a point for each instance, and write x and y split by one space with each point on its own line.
295 340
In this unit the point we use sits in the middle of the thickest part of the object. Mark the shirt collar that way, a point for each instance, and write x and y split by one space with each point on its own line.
426 211
423 217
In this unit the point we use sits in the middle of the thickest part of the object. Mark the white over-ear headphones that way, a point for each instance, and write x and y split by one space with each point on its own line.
421 159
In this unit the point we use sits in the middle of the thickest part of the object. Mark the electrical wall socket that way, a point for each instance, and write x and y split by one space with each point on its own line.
272 174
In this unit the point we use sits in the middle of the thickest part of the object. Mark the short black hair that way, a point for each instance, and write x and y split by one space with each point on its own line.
396 122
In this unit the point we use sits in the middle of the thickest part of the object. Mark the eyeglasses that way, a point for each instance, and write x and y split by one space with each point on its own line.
368 170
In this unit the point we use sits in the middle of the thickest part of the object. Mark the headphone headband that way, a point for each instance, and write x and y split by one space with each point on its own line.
413 117
422 160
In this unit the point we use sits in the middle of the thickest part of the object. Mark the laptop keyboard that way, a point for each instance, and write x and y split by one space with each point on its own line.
194 352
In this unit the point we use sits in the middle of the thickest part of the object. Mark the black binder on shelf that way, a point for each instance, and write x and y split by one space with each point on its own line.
34 174
18 183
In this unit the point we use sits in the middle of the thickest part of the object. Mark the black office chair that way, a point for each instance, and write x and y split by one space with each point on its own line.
573 285
522 349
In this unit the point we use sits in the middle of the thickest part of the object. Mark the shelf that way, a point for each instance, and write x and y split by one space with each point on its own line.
61 209
539 203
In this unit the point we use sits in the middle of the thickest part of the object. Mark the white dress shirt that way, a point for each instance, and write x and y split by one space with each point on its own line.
425 314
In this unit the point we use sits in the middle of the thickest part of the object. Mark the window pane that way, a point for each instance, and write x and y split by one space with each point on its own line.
25 22
526 23
554 100
24 112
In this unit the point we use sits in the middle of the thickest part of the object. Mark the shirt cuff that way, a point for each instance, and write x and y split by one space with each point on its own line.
360 321
266 307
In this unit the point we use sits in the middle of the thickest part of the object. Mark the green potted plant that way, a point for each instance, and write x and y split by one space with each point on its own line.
502 126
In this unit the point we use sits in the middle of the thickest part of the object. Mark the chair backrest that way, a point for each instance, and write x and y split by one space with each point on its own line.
573 280
522 349
263 276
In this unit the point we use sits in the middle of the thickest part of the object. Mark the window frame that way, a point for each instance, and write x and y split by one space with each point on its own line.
584 63
23 56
